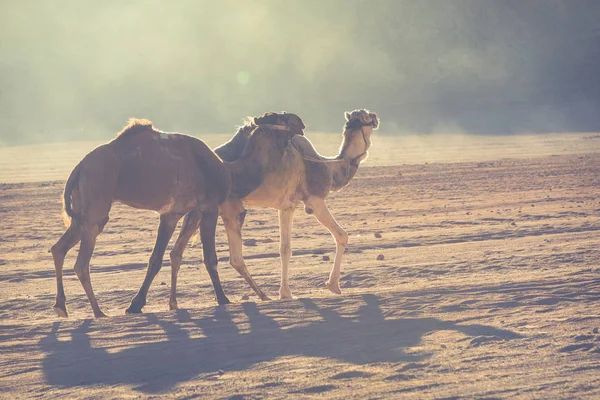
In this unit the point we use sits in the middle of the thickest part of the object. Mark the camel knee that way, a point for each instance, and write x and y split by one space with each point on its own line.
83 274
342 238
57 254
212 265
237 264
210 259
156 260
176 259
59 251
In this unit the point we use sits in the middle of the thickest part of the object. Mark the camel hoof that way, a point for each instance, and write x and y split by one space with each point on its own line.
173 307
100 315
223 301
264 297
334 288
61 312
133 310
286 296
136 306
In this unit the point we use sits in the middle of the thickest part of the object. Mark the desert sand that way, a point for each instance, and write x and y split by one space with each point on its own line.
472 272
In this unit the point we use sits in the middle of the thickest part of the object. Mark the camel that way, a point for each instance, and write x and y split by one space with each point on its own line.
172 174
299 175
256 158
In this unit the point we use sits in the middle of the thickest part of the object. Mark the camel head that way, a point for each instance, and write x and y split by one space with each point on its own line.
357 134
358 118
291 122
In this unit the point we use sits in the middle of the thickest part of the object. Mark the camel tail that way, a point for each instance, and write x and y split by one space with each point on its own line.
68 213
218 179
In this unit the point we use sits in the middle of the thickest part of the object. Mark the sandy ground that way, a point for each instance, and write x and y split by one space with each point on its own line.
489 286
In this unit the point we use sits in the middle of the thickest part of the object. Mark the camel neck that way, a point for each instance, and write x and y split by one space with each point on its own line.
342 174
354 148
353 151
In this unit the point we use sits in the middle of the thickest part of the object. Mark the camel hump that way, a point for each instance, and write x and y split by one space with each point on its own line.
136 125
305 147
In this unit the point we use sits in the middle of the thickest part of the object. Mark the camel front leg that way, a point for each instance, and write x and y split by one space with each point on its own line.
190 225
208 226
233 213
321 212
286 216
168 223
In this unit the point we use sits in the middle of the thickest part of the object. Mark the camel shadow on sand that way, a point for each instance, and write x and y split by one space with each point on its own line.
157 366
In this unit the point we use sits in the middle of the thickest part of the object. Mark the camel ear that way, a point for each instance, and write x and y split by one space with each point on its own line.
347 116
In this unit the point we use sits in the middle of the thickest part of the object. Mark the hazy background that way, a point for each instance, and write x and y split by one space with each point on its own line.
76 70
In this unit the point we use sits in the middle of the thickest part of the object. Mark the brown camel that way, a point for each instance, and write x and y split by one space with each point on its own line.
298 174
170 173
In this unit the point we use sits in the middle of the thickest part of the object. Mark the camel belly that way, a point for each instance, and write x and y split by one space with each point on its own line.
273 197
162 203
159 188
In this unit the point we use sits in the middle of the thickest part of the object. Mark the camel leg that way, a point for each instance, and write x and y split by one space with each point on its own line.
285 249
59 251
168 223
232 213
208 226
82 265
191 222
323 215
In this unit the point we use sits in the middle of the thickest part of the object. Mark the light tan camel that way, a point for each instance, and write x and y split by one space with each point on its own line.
170 173
255 158
298 175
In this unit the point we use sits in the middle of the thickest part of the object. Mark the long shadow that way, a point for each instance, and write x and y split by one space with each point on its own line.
159 365
27 275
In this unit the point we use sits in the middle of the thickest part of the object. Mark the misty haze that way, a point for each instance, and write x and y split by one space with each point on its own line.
76 70
422 222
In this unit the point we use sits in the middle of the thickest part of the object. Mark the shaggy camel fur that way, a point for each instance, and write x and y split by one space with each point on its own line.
299 174
172 174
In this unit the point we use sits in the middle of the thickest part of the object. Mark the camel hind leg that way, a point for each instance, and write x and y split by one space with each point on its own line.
59 251
168 223
191 223
207 223
82 265
323 215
